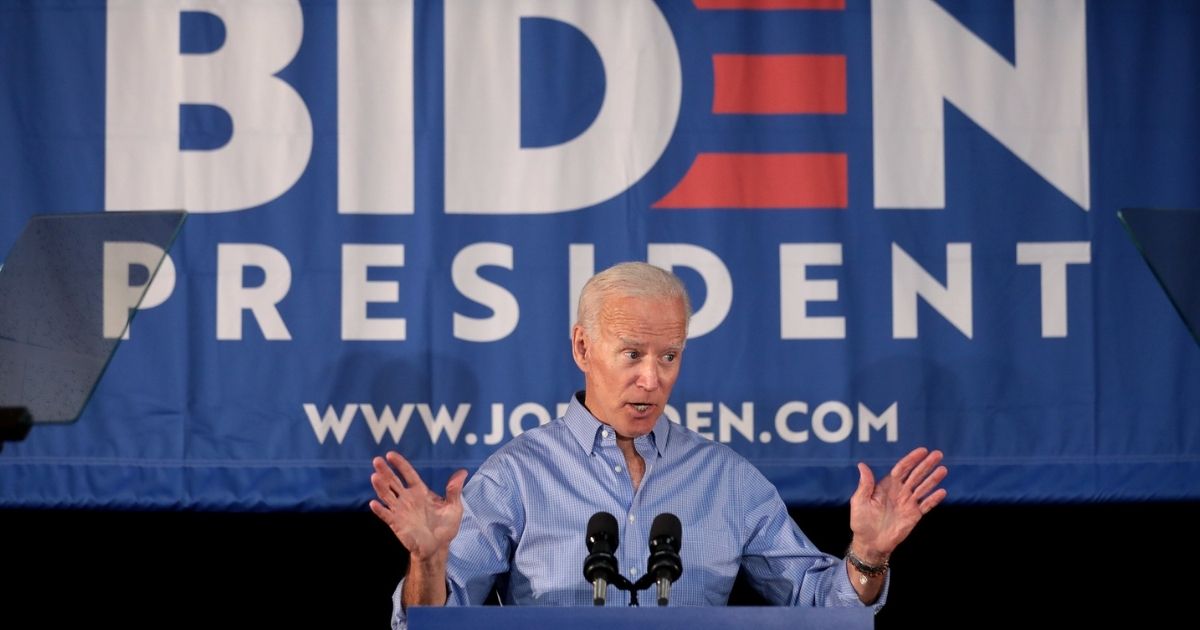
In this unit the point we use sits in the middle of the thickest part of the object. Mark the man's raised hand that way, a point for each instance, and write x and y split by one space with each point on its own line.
424 522
883 513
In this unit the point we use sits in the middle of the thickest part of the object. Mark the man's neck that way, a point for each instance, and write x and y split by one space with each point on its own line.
633 460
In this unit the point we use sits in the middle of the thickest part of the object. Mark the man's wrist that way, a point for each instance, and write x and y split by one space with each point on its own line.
429 562
868 560
425 584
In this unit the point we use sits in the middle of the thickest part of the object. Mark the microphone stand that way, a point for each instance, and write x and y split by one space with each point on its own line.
647 580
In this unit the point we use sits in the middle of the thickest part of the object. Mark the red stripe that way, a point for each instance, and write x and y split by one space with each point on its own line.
779 84
764 5
762 180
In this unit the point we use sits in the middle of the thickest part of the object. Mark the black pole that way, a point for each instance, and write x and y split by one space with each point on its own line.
15 423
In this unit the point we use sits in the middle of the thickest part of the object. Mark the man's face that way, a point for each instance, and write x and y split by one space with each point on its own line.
631 365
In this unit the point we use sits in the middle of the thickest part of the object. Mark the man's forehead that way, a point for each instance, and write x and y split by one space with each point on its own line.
668 336
643 307
638 317
626 341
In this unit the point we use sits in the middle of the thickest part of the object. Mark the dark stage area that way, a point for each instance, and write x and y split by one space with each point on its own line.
337 569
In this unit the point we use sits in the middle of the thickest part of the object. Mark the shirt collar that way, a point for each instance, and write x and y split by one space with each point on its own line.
586 428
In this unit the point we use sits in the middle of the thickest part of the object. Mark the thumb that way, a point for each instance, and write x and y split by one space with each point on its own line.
866 482
455 485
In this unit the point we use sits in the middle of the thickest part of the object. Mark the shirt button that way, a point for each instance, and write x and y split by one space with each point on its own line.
632 518
617 468
605 434
633 572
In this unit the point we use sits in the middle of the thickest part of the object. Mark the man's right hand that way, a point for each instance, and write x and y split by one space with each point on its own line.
424 522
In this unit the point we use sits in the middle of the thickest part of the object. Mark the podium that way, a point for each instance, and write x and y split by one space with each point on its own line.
649 618
68 289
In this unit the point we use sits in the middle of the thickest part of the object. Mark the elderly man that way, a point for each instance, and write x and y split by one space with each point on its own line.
518 525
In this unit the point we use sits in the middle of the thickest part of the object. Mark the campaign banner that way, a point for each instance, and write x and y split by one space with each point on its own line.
897 220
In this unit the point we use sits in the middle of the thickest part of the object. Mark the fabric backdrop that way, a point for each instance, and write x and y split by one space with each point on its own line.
897 220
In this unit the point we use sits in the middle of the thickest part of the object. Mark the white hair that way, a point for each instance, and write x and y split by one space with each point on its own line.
628 279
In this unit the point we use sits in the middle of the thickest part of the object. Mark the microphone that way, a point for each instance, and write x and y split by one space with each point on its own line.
600 566
666 534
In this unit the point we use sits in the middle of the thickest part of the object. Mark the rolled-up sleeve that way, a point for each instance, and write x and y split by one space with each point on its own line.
780 561
492 521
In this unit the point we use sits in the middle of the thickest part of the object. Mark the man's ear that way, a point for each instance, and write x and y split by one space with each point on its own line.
580 347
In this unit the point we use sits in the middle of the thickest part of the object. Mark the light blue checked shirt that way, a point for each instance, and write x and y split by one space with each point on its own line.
526 512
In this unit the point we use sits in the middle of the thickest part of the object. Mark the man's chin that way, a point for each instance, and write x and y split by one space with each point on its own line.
637 424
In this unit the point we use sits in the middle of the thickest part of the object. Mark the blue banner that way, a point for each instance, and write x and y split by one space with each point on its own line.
897 220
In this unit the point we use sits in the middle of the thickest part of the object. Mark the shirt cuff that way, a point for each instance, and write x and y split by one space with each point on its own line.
399 617
843 593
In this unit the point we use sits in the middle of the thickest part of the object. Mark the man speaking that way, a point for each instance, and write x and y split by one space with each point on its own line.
518 526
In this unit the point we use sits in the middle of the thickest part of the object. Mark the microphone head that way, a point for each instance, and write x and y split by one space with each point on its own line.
665 533
664 563
602 527
600 564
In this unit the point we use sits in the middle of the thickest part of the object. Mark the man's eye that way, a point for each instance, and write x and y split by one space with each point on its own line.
670 357
632 354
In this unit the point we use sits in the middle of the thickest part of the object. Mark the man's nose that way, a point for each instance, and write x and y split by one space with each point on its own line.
648 376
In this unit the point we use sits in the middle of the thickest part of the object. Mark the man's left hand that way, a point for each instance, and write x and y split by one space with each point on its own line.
883 514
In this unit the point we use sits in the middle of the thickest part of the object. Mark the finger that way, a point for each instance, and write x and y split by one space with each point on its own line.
866 482
455 485
922 470
930 482
384 489
389 476
382 512
932 500
387 516
406 470
905 465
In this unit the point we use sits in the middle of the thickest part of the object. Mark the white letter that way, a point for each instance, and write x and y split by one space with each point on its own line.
1037 108
375 106
1053 259
497 432
443 423
842 412
953 301
147 79
357 291
781 425
697 421
867 420
233 298
726 420
487 171
322 424
526 409
119 296
385 421
506 311
718 284
581 266
796 291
